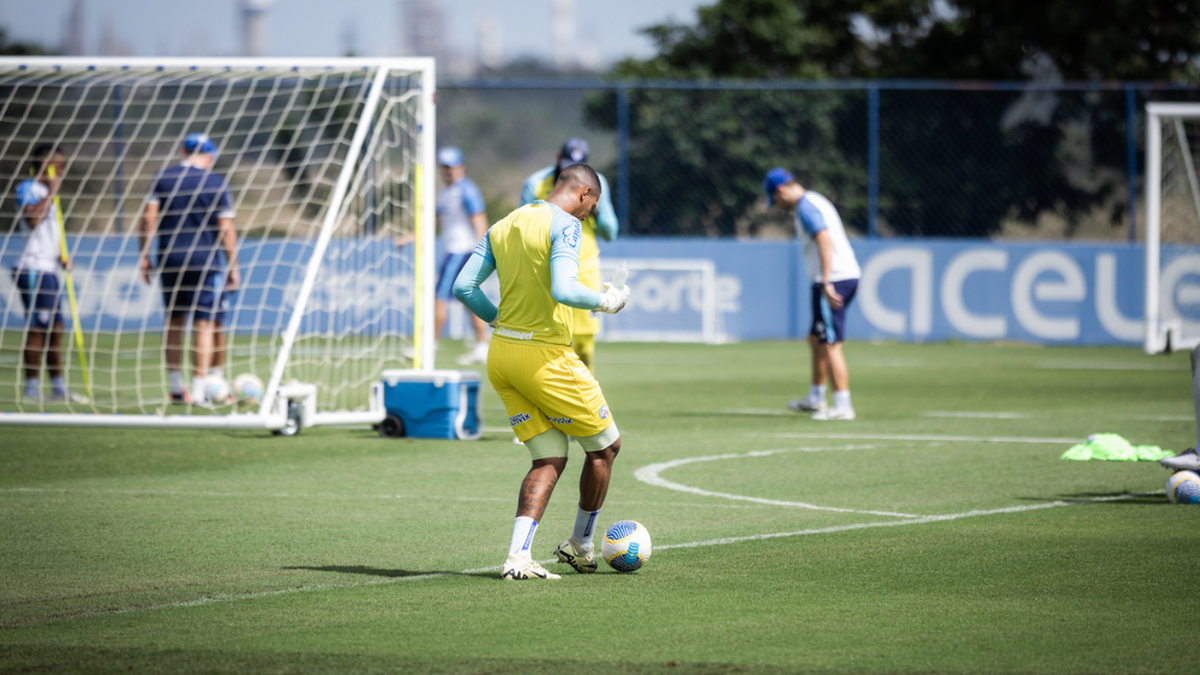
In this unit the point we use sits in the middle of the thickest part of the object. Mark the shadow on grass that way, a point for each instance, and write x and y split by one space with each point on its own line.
391 573
1104 498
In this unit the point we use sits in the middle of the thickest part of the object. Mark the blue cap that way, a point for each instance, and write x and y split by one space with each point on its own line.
449 156
574 151
27 193
198 142
775 178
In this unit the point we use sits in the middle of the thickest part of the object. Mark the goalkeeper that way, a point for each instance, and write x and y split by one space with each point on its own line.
545 388
36 275
602 222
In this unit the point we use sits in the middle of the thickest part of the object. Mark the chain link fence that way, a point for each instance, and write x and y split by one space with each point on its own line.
899 159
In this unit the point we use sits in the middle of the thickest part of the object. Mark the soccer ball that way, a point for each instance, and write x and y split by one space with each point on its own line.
216 390
626 546
248 388
1183 487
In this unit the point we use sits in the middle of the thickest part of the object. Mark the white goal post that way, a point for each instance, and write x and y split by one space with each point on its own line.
1172 217
671 300
329 165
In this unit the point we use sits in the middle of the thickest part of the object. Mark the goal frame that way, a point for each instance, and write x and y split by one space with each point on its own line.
709 332
1161 335
294 405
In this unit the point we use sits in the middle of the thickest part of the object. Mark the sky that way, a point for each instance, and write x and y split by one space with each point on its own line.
607 29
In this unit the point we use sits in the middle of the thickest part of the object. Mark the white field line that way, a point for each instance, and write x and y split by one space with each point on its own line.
755 411
1098 365
650 475
232 597
920 520
328 495
977 414
252 495
923 437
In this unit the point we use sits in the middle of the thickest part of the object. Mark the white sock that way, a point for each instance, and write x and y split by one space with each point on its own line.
217 372
817 392
57 385
198 389
176 379
841 399
524 528
31 384
585 526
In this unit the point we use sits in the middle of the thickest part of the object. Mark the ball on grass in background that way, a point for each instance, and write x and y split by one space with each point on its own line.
1183 487
216 389
248 388
626 546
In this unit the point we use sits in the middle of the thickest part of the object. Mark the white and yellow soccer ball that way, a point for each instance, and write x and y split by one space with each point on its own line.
1183 487
626 546
216 390
248 388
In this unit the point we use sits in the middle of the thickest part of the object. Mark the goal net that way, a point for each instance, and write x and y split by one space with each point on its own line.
323 162
1172 226
671 300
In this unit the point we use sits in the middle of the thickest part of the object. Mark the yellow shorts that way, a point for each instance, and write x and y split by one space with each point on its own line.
543 387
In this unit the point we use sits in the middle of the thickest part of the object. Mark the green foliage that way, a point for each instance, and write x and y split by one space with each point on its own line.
952 163
8 48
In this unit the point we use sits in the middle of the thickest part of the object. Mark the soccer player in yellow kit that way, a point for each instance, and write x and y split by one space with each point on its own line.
546 390
601 222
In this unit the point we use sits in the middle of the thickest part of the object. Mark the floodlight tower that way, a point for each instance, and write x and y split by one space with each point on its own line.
254 26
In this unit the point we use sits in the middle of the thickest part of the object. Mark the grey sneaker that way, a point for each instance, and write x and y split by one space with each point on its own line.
516 568
809 404
1188 459
570 552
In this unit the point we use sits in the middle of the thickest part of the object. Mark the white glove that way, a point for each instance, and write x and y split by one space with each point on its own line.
613 299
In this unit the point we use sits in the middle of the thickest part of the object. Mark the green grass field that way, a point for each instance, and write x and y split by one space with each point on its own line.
947 535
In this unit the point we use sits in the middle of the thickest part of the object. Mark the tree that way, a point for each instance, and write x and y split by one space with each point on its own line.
952 162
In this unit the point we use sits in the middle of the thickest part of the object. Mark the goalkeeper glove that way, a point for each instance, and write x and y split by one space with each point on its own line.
613 299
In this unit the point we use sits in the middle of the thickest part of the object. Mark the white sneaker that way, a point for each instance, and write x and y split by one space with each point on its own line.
68 396
572 553
517 567
828 414
478 354
809 404
1188 459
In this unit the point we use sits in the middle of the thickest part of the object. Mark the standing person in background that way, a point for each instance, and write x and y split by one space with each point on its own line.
190 208
602 222
1188 459
462 222
36 275
546 390
834 269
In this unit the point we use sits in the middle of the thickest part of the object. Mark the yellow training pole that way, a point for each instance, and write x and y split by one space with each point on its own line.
62 242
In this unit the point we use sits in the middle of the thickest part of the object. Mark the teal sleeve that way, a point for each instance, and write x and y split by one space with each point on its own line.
606 216
565 236
478 268
565 286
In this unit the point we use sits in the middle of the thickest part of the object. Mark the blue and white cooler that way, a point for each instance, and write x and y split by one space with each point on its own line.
432 404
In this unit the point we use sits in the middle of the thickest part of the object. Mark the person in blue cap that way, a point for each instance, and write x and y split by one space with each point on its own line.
602 223
189 214
830 262
36 275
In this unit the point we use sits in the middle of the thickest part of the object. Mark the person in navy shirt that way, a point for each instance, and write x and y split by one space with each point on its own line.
190 209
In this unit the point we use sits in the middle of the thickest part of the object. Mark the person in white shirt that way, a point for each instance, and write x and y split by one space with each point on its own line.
834 270
36 275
